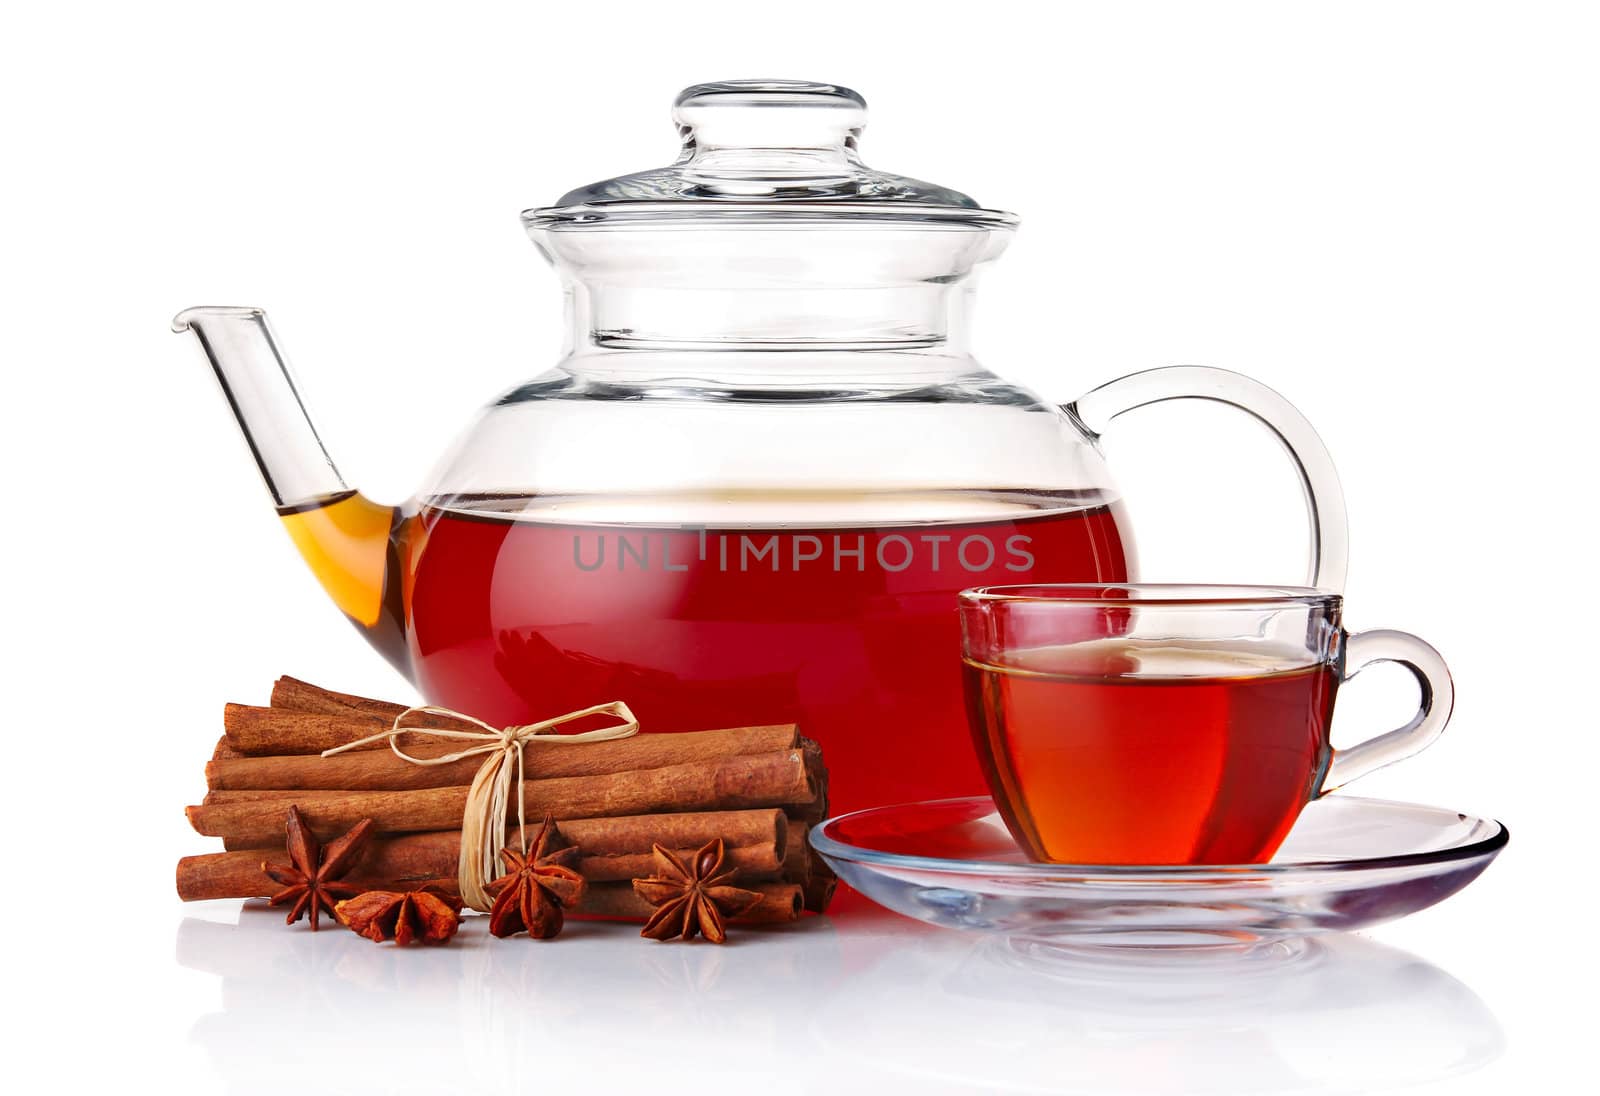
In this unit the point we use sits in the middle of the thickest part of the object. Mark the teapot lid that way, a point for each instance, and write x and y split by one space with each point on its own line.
766 150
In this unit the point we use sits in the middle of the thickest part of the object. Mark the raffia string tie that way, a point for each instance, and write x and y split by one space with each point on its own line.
483 823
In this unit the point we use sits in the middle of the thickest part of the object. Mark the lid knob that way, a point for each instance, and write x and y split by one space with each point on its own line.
769 114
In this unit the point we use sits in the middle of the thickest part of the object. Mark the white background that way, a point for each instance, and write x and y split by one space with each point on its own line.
1386 211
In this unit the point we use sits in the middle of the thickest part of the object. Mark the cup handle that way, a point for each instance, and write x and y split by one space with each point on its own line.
1094 411
1438 698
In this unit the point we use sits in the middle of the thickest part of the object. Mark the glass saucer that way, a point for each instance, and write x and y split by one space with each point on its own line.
1348 863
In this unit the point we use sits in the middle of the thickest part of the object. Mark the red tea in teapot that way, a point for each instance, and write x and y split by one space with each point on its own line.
517 609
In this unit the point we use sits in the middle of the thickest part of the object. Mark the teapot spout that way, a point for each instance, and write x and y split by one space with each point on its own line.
347 539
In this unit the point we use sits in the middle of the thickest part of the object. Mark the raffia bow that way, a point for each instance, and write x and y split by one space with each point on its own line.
483 822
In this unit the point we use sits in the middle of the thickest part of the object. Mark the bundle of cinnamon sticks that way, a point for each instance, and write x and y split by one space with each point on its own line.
758 789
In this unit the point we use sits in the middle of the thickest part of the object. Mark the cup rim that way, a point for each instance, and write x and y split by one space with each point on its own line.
1164 594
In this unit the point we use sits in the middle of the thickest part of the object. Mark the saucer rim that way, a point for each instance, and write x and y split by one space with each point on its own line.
833 848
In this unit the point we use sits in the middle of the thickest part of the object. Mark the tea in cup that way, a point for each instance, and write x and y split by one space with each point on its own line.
1154 724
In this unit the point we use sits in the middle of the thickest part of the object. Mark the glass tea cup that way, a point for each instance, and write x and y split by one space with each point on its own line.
1165 724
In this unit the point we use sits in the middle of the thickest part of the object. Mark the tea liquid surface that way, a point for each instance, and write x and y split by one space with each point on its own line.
849 630
1117 751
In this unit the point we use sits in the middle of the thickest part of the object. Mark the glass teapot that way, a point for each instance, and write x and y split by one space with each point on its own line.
766 463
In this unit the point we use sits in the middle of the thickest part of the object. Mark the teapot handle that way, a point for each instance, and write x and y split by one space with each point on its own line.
1094 411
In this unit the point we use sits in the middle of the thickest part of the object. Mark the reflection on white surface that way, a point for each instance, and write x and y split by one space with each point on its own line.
855 1002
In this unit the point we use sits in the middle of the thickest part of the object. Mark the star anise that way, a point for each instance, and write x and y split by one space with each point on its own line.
537 885
312 882
692 898
419 916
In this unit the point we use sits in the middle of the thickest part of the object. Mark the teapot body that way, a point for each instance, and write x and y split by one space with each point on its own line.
758 557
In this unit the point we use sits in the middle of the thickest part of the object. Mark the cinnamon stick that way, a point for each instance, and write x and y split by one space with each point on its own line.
251 730
797 853
382 770
271 795
629 834
755 862
624 835
414 858
816 809
820 883
817 892
752 780
266 731
779 902
292 693
620 836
